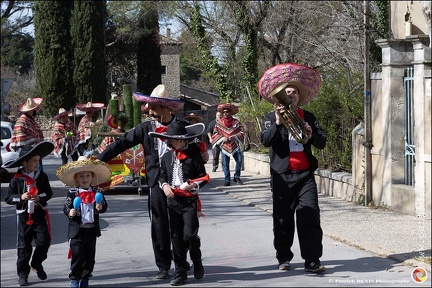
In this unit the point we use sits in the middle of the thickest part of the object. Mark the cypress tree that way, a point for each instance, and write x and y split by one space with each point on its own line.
148 51
53 54
88 40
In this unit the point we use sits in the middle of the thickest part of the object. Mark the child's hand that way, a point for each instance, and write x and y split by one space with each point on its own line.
72 213
168 191
99 207
25 196
36 197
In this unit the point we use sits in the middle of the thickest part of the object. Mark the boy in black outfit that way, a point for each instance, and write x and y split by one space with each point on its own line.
30 190
182 175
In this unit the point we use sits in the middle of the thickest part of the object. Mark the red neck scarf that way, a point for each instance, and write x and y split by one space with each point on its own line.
228 122
87 197
181 155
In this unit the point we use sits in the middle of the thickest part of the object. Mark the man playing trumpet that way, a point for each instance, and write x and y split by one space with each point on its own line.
290 132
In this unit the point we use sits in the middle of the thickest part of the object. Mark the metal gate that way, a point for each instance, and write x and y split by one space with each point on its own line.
409 155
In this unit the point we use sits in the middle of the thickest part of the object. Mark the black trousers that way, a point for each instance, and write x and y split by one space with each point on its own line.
26 234
296 193
216 152
64 157
160 229
184 231
83 248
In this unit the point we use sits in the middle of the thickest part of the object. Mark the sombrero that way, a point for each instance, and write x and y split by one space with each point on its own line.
62 112
306 79
178 130
30 104
159 96
28 151
228 106
100 169
89 106
193 116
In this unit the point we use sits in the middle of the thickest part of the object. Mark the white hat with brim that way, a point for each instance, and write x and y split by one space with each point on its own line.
30 104
62 112
159 96
41 149
66 173
89 106
179 131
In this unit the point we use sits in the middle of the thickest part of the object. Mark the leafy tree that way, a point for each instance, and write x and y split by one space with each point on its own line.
88 41
15 16
53 54
17 52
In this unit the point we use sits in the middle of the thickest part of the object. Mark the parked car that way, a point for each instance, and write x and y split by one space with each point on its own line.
6 135
7 155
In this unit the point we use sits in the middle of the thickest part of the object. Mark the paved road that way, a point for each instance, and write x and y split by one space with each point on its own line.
236 245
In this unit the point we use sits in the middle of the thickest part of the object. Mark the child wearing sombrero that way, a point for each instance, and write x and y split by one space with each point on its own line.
30 191
84 202
182 175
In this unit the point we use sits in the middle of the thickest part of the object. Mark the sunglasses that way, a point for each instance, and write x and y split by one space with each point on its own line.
225 112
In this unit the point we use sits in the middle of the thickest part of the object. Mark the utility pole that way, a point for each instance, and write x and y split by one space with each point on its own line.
367 109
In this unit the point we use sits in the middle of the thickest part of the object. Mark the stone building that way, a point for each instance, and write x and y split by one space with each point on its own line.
400 115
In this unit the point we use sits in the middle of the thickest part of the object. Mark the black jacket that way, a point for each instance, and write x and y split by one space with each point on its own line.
75 222
135 136
17 187
276 137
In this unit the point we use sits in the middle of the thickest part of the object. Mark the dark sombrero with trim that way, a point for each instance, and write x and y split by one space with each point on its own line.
42 149
179 131
159 96
306 79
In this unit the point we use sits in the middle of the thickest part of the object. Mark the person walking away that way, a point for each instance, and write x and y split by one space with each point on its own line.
64 137
182 176
83 204
30 191
215 149
160 106
26 130
228 134
292 164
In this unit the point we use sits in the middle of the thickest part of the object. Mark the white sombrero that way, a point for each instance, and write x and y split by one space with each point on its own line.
30 104
159 96
62 112
101 170
89 106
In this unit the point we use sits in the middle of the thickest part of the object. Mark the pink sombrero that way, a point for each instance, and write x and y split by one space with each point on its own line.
89 106
306 79
228 106
159 96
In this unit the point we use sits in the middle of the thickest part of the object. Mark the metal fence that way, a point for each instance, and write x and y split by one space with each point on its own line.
409 153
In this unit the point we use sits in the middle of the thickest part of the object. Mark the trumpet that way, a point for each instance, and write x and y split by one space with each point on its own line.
290 119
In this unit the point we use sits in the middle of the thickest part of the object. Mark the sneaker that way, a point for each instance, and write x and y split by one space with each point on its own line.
198 270
285 265
74 283
314 267
227 184
23 280
40 273
84 283
162 274
179 279
238 181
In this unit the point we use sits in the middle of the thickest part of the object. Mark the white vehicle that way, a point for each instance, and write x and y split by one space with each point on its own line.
7 155
6 135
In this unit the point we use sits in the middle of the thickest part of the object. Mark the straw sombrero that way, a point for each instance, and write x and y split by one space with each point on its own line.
41 149
100 169
62 112
228 106
159 96
179 131
306 79
89 106
30 104
192 116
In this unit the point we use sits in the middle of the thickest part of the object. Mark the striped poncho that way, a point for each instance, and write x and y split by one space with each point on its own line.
84 129
26 132
233 130
61 142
